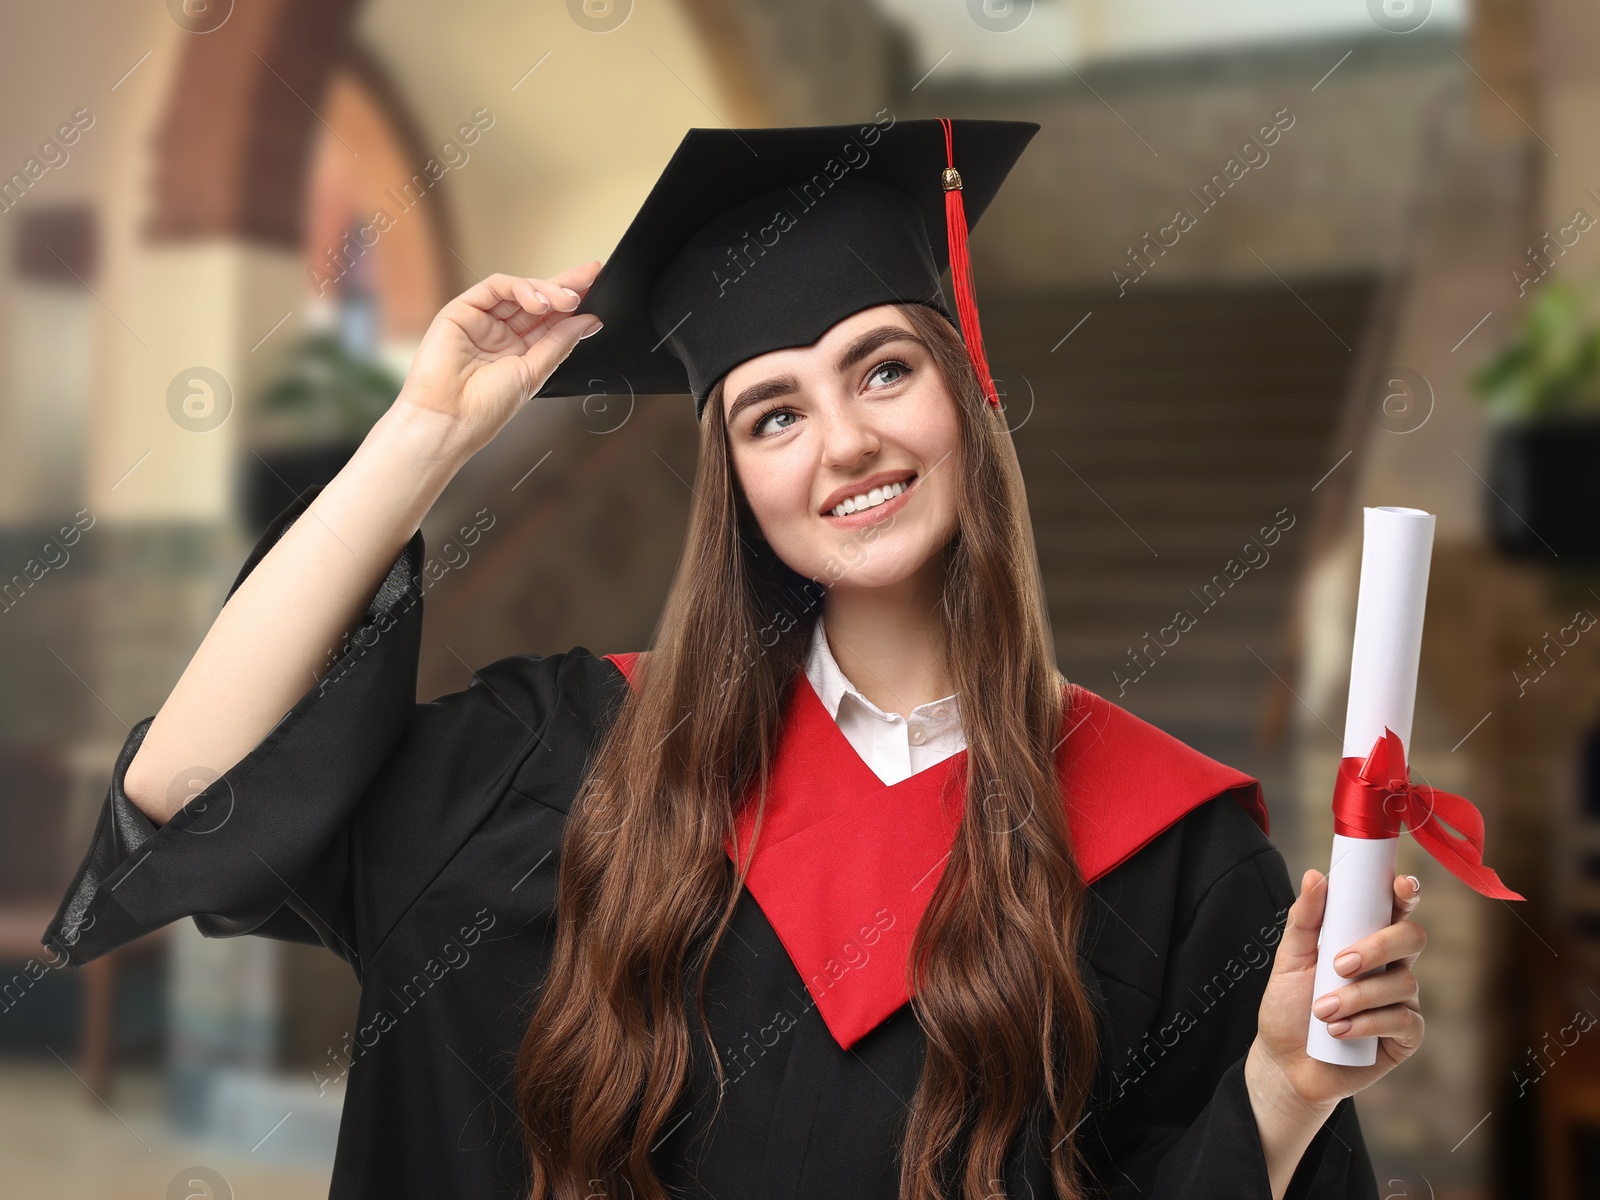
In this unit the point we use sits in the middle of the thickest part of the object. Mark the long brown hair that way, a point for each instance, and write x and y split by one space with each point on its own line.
646 890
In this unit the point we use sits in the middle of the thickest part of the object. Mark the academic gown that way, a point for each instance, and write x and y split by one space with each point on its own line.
420 843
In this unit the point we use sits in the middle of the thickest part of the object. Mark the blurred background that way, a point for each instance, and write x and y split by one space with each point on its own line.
1267 262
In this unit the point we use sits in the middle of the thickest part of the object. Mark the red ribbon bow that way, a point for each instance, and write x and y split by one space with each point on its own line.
1375 798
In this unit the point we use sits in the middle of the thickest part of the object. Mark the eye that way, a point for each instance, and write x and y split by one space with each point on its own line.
776 411
887 364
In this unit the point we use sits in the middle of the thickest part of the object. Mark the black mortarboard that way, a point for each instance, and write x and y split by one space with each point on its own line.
760 239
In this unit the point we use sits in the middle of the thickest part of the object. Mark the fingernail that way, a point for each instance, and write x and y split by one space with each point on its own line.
570 292
1339 1027
593 329
1416 885
543 299
1326 1007
1347 962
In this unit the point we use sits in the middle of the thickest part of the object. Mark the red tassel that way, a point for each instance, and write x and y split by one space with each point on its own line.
955 224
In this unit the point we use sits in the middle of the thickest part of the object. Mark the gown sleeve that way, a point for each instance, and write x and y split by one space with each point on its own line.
1180 1123
267 847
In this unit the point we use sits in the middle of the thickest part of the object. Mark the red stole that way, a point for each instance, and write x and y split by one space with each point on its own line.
846 865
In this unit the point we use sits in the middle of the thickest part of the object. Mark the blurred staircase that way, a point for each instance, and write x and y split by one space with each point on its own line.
1166 431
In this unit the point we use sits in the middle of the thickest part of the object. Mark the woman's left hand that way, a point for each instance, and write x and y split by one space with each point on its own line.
1384 1004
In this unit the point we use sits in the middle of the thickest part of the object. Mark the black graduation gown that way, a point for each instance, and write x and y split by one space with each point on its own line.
419 842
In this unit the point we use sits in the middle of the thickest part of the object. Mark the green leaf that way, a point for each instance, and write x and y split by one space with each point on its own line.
1551 368
325 394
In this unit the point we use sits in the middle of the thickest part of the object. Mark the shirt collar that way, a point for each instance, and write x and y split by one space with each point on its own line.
832 687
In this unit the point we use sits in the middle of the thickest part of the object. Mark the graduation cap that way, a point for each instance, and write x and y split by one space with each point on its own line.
760 239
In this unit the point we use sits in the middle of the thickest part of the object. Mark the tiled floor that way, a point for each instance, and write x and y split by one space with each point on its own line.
57 1140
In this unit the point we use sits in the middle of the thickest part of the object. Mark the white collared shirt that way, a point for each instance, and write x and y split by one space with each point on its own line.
895 747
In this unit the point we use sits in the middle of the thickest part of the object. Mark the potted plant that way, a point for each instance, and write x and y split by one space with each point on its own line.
310 421
1542 395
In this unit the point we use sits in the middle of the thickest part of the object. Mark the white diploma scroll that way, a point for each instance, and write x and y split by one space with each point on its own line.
1397 544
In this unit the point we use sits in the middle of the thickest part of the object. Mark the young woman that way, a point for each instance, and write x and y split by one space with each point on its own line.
841 890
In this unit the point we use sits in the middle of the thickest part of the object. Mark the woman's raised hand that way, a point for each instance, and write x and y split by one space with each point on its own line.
483 357
490 349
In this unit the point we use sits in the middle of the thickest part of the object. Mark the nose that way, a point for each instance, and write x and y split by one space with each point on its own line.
846 436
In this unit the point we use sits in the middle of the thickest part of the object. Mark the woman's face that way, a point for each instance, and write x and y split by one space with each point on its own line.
860 409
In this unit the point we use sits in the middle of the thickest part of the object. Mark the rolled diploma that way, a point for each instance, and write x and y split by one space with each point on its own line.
1397 544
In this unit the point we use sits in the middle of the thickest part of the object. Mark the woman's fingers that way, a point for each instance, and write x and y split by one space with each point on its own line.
1397 985
1298 949
1398 1021
1400 938
579 278
537 302
548 299
1407 895
540 302
563 292
496 294
527 298
1400 942
542 295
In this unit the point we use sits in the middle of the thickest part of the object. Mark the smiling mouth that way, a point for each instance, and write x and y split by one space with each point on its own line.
873 498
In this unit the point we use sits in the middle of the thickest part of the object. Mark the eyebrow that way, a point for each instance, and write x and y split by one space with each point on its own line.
784 385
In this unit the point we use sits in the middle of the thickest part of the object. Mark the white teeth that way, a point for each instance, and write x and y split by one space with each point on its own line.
869 499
